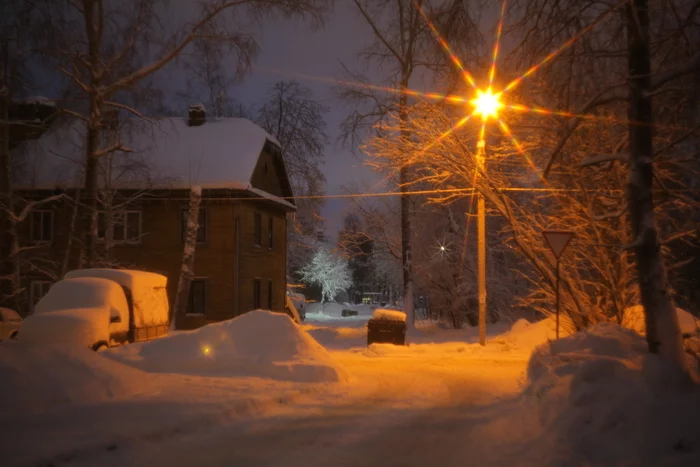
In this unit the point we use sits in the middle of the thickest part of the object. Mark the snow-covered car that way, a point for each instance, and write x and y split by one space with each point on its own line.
99 308
299 301
10 321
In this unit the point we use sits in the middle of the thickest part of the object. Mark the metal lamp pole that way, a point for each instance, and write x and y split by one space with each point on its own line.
481 243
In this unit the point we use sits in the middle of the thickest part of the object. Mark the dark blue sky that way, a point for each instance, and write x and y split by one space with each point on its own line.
290 49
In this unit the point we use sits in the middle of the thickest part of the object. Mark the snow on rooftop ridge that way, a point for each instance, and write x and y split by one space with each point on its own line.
392 315
168 153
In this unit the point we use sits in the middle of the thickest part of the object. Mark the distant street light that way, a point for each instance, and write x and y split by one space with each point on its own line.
485 104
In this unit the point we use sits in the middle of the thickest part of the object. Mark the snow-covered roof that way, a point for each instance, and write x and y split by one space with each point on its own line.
221 153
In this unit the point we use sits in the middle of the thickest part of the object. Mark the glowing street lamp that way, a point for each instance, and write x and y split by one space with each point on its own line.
485 104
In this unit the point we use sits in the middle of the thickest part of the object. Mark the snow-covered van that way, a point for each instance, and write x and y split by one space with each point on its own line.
100 308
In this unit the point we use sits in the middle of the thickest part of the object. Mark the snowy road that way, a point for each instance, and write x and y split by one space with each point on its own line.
418 410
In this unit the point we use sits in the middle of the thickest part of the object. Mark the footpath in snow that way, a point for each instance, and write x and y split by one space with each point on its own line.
260 390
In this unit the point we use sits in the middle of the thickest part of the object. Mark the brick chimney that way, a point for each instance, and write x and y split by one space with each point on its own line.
197 115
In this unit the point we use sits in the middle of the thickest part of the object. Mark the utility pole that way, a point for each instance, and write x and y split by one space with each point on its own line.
481 239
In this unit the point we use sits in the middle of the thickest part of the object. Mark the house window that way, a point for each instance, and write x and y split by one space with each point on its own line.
257 229
201 228
269 295
269 232
41 226
256 294
37 290
126 226
197 299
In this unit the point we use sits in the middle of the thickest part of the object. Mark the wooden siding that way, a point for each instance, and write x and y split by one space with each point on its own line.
217 259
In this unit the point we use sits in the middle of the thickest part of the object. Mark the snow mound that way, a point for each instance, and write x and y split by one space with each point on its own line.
385 313
259 343
633 318
524 335
40 377
608 402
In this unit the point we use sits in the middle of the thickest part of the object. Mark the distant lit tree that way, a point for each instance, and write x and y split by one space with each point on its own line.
329 271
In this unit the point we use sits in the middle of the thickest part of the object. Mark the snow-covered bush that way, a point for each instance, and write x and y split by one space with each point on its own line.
607 401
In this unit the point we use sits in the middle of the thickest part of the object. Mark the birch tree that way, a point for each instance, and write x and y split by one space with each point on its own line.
182 292
106 48
404 49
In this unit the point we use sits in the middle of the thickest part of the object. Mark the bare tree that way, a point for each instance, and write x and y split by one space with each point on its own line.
293 116
643 48
102 47
404 48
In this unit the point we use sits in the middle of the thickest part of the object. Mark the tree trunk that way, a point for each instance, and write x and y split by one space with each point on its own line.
9 265
663 334
187 267
67 255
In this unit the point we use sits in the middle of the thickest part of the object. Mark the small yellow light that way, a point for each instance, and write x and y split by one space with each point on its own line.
206 350
486 103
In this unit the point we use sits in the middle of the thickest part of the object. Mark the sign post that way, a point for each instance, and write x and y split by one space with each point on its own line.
557 241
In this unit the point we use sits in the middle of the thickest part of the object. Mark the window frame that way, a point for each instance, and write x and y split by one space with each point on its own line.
32 226
257 299
32 284
202 227
205 293
124 226
257 228
269 294
270 230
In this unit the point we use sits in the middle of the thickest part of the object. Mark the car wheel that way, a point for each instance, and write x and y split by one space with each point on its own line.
100 347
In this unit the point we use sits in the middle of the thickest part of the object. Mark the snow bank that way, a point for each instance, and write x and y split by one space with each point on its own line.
606 401
259 343
393 315
36 378
526 336
633 318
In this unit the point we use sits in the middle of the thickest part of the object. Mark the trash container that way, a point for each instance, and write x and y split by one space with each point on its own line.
386 331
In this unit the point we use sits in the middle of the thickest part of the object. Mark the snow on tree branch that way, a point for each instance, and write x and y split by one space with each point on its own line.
329 271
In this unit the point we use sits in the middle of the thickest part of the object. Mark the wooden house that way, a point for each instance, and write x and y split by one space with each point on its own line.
240 258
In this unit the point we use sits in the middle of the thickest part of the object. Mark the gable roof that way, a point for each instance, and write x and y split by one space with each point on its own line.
221 153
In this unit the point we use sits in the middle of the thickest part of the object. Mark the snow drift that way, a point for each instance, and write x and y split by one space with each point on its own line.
259 343
34 378
633 318
608 402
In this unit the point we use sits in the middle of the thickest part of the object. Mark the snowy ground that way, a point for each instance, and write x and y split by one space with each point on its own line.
443 400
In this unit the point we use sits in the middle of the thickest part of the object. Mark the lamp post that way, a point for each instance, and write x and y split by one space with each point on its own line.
485 104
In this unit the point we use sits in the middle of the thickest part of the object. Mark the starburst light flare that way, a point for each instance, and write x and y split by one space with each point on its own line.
486 103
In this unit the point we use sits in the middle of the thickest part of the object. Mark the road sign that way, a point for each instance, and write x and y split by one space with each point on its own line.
557 240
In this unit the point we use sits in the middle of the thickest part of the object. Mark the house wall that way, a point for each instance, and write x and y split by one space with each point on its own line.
229 272
266 176
261 261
